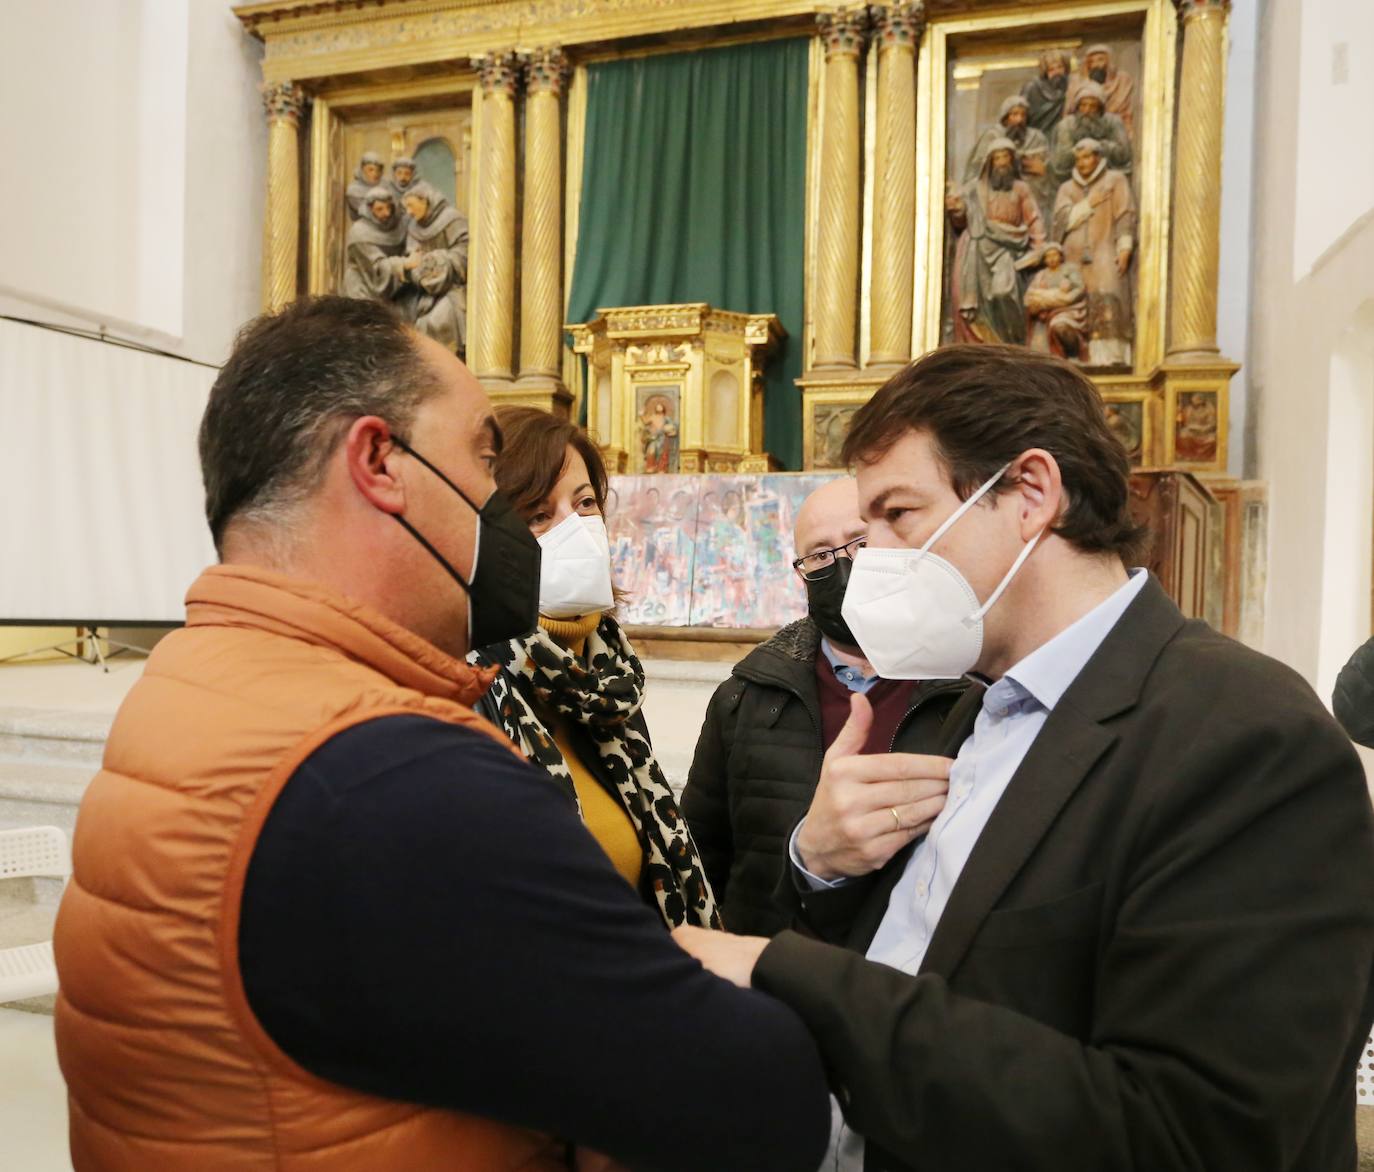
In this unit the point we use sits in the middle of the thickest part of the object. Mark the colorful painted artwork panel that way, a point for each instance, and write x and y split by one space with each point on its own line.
707 551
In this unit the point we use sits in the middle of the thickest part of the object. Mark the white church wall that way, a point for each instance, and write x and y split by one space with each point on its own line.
1335 92
1345 595
160 199
226 182
138 137
142 144
72 69
1301 322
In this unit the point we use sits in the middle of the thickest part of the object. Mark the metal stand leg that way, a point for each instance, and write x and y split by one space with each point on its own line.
86 635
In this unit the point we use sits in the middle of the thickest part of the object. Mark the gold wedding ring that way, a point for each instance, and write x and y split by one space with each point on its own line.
896 817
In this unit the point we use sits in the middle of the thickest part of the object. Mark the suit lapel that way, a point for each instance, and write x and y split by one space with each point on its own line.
1067 747
1069 744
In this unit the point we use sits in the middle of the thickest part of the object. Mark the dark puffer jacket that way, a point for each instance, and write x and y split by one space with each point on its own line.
1353 700
757 763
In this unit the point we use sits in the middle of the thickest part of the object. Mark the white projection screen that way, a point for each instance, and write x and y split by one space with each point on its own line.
103 519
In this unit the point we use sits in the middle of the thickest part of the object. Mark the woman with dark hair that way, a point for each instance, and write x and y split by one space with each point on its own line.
569 696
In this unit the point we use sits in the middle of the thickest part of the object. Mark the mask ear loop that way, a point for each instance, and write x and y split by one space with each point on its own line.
434 553
405 447
977 615
964 508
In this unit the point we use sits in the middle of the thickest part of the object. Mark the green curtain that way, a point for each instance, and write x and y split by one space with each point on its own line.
694 189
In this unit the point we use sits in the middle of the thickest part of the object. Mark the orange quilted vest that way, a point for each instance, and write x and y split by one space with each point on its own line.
166 1067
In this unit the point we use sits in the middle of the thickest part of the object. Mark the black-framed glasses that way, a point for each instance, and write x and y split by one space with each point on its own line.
819 564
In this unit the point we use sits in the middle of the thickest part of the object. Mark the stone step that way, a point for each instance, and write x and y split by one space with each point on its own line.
41 792
42 734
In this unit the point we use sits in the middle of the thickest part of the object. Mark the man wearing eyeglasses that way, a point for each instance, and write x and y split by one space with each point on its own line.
769 725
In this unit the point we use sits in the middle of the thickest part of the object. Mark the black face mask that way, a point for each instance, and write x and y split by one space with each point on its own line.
825 596
503 596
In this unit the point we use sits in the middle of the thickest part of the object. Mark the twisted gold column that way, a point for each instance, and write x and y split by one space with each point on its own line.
284 102
837 233
541 291
491 286
898 29
1196 229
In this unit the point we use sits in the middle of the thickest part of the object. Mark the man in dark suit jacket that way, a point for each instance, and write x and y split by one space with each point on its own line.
1139 935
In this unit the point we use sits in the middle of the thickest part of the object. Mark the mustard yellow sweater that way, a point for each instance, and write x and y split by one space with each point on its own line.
604 815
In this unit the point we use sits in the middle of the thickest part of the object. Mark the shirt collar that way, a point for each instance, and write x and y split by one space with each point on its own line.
1047 672
834 660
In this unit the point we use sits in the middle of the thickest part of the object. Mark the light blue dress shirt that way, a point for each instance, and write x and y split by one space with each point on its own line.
851 677
1014 711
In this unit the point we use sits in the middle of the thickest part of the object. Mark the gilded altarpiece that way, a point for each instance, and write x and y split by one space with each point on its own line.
1063 167
1106 117
920 116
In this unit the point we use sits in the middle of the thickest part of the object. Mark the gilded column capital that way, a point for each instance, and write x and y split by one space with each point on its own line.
899 25
284 101
1188 9
843 31
498 72
546 70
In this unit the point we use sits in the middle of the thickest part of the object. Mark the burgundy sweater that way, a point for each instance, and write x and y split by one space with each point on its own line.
891 700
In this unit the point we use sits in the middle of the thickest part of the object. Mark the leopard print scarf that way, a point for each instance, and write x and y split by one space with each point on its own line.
601 695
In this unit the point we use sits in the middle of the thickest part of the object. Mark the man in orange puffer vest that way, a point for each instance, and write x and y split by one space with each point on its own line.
322 915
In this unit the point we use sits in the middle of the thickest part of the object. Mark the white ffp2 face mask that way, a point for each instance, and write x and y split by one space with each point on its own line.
575 573
915 616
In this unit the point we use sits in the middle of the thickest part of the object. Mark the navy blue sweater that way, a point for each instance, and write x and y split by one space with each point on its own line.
425 918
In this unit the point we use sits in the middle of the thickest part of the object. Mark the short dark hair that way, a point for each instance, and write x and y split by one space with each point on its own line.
295 380
534 446
985 405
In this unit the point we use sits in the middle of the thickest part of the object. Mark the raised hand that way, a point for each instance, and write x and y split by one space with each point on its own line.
868 806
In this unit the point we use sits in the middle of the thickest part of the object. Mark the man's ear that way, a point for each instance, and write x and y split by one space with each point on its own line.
373 462
1040 491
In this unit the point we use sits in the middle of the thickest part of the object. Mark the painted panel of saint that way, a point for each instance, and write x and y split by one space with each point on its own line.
1040 204
1195 428
829 426
658 414
401 220
1127 423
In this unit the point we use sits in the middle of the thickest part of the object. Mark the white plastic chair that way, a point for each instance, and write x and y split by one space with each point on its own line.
1364 1076
31 852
